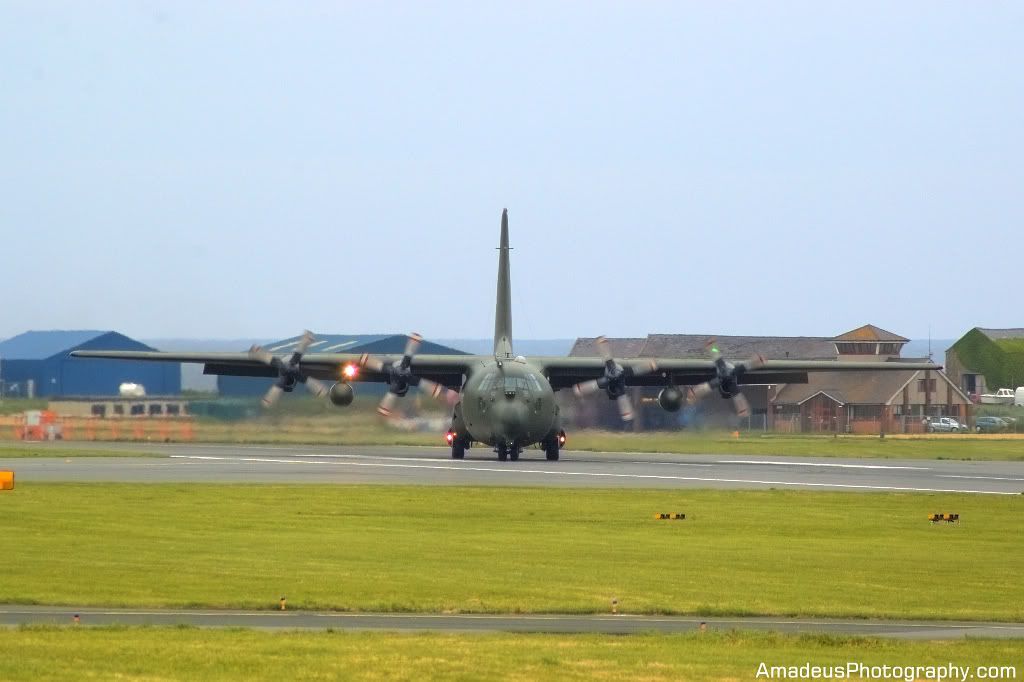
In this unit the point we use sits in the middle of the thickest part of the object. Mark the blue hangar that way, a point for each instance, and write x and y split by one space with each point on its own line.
36 364
384 344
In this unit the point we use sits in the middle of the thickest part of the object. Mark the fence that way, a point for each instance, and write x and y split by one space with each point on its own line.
163 429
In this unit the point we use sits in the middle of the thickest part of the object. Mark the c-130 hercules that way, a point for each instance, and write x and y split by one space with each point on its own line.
504 400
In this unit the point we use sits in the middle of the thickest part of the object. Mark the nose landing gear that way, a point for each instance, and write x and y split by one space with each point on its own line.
508 451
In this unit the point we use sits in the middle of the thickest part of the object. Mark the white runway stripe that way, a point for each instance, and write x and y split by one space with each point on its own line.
595 474
981 478
820 464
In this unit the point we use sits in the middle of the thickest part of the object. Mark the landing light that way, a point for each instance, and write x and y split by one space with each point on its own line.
449 437
349 371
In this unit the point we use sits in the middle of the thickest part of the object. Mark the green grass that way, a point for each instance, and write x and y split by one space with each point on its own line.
438 549
306 421
50 653
365 429
943 446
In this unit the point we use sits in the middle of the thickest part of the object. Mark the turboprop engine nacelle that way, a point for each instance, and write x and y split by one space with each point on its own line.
342 394
670 399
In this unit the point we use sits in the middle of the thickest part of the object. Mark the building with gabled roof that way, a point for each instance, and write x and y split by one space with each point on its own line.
985 360
867 401
740 347
37 364
620 347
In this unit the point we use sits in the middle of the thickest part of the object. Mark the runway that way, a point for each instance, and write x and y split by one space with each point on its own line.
432 466
554 623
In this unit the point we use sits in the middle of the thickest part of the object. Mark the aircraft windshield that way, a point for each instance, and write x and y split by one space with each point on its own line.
487 382
513 384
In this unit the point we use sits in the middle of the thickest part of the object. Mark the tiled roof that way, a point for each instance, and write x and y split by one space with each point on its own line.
621 348
1017 333
856 388
870 332
740 347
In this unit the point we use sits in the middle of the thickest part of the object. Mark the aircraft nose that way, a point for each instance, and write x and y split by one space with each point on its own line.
511 420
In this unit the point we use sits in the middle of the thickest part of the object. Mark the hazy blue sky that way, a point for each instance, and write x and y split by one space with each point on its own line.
252 169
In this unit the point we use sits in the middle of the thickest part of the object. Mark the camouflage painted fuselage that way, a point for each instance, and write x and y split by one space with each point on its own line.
508 402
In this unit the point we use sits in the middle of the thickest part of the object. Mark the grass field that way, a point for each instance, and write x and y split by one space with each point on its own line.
364 428
409 548
302 420
329 431
186 653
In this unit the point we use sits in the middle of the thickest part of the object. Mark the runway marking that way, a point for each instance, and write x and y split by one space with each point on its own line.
60 610
820 464
596 474
987 478
445 459
513 620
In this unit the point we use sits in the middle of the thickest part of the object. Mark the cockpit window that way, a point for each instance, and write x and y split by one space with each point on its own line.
487 382
515 384
534 384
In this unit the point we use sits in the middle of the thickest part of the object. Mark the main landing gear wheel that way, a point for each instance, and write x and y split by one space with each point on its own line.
502 453
514 454
551 450
458 449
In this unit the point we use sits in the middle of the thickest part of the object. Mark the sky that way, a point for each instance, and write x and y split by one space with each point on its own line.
247 169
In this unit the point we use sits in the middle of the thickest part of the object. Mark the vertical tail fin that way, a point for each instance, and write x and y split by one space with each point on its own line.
503 307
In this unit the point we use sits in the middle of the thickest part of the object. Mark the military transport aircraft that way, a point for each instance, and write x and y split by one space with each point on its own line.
505 400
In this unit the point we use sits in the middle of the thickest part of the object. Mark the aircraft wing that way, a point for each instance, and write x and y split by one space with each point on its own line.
567 372
443 369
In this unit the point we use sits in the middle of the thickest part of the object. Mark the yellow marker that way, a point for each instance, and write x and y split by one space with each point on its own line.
6 480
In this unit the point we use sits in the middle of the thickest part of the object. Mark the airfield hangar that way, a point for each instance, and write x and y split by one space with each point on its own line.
851 402
36 364
985 360
382 344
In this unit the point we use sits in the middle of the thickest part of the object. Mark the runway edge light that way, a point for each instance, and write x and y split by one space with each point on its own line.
6 480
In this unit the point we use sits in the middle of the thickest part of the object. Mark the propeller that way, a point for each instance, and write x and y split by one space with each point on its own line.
726 380
289 372
614 380
400 378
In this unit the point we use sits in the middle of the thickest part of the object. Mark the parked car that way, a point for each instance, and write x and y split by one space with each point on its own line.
944 425
989 425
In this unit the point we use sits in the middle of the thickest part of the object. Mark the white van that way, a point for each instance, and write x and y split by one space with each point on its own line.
1018 396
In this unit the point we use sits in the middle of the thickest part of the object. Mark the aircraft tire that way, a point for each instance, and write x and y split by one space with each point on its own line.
514 454
551 449
458 450
502 453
